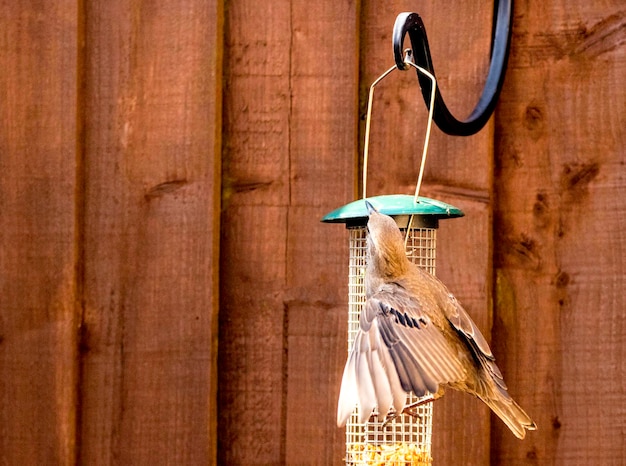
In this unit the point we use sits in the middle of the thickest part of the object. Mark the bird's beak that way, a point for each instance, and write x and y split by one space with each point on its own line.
370 208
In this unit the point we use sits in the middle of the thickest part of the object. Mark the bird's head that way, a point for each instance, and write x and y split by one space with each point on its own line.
385 243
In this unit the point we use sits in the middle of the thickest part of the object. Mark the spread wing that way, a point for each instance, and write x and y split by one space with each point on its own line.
398 349
489 385
470 334
457 316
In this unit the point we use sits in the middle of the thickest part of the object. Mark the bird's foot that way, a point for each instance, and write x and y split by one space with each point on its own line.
391 416
411 409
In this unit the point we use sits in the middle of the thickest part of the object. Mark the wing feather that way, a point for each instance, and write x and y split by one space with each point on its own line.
348 395
420 354
378 373
398 349
365 384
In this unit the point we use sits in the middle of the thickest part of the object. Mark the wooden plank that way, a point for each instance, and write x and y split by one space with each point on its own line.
38 254
324 115
152 170
290 139
251 332
458 171
559 227
254 233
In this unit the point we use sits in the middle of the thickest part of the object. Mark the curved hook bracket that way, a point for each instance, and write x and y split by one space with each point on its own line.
412 24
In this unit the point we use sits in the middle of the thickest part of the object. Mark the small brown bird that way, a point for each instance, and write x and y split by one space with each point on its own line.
415 336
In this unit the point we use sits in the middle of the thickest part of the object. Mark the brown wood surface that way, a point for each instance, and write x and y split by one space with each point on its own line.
290 141
151 108
560 221
458 172
38 256
134 190
255 198
323 131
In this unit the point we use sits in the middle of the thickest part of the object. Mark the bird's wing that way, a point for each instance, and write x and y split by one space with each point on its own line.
368 379
459 318
396 350
422 357
494 394
467 329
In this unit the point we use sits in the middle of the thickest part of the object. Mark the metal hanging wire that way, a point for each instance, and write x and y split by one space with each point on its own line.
408 62
420 59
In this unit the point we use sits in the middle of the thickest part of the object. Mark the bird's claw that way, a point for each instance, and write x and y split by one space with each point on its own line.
392 415
411 409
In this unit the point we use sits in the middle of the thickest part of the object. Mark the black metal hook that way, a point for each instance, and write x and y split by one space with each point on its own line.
412 24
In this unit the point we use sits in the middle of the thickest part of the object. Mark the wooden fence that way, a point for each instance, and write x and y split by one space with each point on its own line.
167 292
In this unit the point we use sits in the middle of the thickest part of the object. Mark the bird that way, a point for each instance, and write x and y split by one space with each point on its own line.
414 336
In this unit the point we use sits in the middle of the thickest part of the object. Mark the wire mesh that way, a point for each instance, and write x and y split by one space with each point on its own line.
407 439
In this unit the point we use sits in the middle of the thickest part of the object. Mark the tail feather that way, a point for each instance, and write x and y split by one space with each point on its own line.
511 414
490 388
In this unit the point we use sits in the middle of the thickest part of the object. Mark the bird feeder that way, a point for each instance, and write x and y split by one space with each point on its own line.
407 438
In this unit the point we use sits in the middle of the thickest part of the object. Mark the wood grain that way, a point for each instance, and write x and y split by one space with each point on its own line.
255 200
151 227
119 226
324 82
290 140
559 228
38 256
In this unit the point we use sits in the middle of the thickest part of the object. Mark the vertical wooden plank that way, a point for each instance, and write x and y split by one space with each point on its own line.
252 356
458 171
38 254
560 229
152 166
323 141
290 138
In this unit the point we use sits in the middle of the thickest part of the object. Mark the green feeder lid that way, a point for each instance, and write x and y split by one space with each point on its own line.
394 205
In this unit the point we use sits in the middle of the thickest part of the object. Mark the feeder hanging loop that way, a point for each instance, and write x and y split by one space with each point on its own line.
412 24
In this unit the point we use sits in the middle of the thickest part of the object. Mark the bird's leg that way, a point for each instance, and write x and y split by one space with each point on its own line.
392 415
411 409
